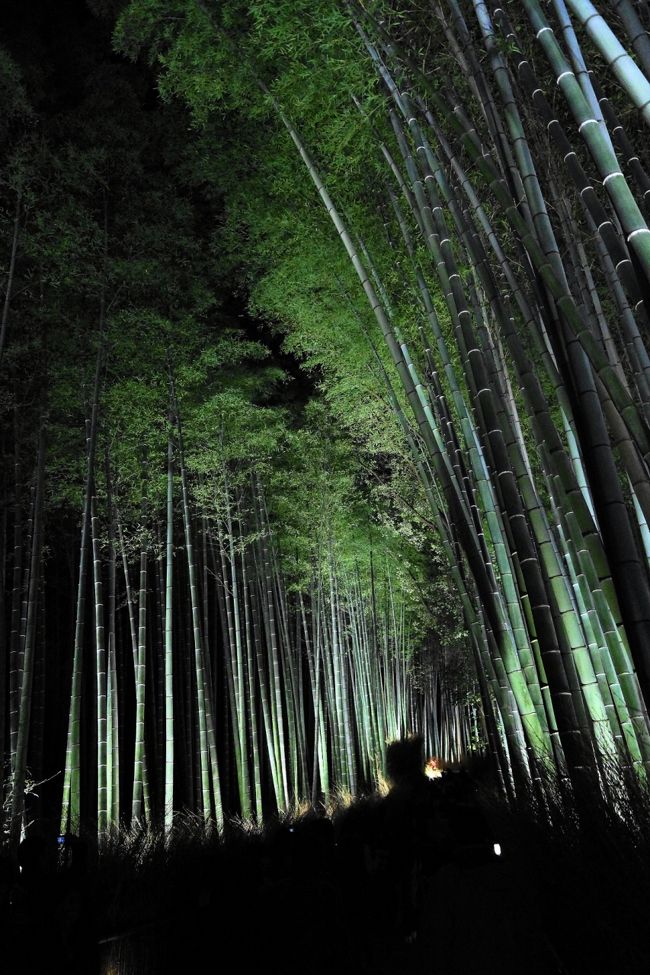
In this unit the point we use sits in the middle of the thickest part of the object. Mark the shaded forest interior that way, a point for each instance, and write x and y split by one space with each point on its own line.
325 422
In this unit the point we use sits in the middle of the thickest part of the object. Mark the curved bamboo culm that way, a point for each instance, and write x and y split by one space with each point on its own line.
101 677
636 32
139 810
632 220
209 769
71 800
627 72
169 633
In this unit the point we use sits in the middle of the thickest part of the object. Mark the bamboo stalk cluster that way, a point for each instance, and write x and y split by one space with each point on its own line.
529 304
510 292
206 682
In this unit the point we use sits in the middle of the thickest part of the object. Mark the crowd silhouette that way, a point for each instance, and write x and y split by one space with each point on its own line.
414 881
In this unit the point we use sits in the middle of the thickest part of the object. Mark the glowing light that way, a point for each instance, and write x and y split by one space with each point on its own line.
497 849
433 768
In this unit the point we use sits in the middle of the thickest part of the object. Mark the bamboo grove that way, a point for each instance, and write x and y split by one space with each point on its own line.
441 207
482 169
202 678
213 601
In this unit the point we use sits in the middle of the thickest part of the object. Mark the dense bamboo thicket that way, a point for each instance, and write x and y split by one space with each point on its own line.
483 169
417 498
215 600
212 667
208 660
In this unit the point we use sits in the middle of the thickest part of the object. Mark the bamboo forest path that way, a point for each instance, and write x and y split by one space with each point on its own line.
436 877
407 884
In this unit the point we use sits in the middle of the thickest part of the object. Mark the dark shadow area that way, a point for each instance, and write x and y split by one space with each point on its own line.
436 876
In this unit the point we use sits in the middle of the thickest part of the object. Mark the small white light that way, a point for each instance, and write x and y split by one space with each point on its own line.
497 849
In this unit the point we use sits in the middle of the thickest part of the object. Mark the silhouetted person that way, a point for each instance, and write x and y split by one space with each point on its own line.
408 812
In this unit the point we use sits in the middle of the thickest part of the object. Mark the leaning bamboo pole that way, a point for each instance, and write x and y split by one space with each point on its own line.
169 645
71 802
103 754
209 767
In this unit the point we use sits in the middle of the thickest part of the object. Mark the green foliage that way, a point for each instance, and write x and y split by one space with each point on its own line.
342 478
141 214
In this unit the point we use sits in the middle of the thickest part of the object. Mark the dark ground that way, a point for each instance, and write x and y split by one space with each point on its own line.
408 883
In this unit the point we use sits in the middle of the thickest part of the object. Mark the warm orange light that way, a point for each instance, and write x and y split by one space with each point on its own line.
433 768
